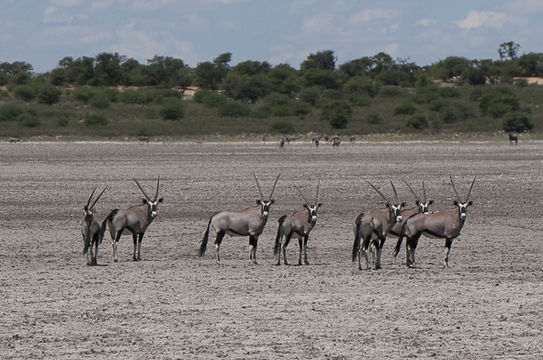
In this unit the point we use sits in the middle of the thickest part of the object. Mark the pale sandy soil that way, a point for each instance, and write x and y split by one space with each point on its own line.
173 304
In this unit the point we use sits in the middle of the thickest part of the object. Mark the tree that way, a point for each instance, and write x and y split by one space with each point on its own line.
338 113
107 69
209 75
322 60
508 50
284 79
161 70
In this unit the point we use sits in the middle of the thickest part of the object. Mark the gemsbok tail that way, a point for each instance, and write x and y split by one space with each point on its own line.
399 242
203 245
104 223
277 247
356 244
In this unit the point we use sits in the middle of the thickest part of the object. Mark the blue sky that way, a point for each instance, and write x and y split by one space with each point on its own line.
41 32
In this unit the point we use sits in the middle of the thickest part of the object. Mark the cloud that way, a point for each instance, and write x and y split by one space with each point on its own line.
478 19
53 15
426 22
66 3
318 23
371 15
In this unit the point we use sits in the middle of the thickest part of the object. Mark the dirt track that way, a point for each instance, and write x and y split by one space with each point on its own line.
173 304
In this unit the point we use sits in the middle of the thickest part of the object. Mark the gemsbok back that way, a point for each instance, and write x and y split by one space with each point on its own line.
90 229
445 224
299 224
374 226
135 220
249 222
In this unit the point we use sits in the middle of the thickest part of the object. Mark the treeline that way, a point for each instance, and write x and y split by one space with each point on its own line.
320 86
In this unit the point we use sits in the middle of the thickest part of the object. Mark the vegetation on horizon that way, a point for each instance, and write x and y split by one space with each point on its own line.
111 95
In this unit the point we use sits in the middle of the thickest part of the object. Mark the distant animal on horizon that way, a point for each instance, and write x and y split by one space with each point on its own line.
513 137
143 139
336 141
13 140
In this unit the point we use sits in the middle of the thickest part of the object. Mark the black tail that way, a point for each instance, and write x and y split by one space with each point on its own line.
399 242
203 245
104 224
356 244
87 245
277 247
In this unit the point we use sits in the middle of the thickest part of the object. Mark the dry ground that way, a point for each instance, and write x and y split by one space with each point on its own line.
174 304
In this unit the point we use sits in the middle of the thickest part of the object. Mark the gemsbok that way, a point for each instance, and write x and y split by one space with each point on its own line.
249 222
135 220
372 228
445 224
422 207
90 229
300 225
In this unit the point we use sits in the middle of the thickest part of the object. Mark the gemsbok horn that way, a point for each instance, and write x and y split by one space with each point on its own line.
299 224
249 222
373 227
135 220
445 224
90 229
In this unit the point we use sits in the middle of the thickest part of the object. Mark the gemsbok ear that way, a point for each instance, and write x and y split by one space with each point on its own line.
272 201
404 204
145 201
306 206
258 202
387 205
86 208
430 202
160 200
319 205
470 203
455 203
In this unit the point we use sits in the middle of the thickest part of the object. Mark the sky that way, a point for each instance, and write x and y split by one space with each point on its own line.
42 32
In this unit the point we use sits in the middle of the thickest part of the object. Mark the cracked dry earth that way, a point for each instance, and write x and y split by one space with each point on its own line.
175 305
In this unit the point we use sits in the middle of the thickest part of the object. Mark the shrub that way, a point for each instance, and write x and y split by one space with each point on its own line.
28 120
96 120
360 100
517 122
100 100
10 112
209 98
374 118
282 126
62 122
337 113
407 108
417 122
309 95
132 97
48 95
300 108
83 94
279 104
448 92
437 105
173 109
25 92
234 109
498 102
391 91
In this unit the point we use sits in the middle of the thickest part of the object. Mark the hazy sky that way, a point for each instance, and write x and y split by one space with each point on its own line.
41 32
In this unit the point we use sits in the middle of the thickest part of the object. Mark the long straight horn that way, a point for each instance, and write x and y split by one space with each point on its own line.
317 196
395 192
302 195
90 198
424 191
412 191
273 189
380 193
454 188
258 186
143 191
469 192
96 200
157 187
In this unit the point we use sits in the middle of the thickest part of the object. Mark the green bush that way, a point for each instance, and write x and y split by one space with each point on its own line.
25 92
448 92
360 100
417 122
437 105
83 94
209 98
300 108
49 95
282 126
498 102
391 91
28 120
310 95
132 97
407 108
337 113
234 109
100 100
62 122
96 120
10 112
517 122
172 109
374 119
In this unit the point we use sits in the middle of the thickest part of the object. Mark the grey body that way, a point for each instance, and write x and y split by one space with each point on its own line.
134 220
90 230
299 225
248 222
445 224
372 228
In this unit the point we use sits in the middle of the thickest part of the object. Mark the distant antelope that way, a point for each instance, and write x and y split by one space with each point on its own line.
143 138
290 138
282 142
299 224
373 228
249 222
352 138
14 139
90 229
422 207
336 141
315 141
513 137
445 224
135 220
